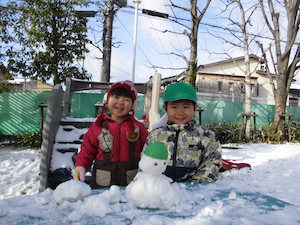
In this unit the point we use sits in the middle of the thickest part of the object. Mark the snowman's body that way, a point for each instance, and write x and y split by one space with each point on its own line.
150 188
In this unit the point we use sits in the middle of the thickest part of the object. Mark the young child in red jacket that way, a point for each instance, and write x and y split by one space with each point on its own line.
114 142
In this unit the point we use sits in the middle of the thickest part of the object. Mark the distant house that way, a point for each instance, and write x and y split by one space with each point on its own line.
22 85
225 80
294 95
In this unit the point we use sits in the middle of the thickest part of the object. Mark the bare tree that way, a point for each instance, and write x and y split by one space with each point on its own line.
243 27
245 40
284 51
192 33
240 39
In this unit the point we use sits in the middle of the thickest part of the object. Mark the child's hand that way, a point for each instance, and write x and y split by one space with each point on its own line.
79 173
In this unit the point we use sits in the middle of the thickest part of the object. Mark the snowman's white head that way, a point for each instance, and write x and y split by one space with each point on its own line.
152 166
154 158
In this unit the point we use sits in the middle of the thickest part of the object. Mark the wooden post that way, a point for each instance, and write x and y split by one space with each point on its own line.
97 106
242 126
67 98
289 117
243 122
42 106
254 121
153 112
53 118
147 97
289 125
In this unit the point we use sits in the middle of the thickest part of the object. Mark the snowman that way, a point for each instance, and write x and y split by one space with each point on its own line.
151 188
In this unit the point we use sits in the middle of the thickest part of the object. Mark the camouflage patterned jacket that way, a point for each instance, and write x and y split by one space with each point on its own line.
194 153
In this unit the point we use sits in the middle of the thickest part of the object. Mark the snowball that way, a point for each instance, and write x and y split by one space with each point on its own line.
95 206
232 195
71 190
112 195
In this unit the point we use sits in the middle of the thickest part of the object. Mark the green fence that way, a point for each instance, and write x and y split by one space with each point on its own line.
83 105
20 112
232 111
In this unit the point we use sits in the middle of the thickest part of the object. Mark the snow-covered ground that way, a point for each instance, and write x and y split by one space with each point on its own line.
267 194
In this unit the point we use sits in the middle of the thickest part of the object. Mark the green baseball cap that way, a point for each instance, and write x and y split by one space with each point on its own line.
157 150
178 91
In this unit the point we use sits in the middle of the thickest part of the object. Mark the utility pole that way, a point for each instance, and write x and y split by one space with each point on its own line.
109 14
136 2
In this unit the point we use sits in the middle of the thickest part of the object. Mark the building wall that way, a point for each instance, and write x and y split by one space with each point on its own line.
232 68
262 88
266 90
30 85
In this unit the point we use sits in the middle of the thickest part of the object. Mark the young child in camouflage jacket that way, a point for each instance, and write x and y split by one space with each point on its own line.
194 153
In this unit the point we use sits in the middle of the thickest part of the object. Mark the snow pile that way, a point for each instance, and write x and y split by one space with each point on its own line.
71 190
267 194
19 172
100 205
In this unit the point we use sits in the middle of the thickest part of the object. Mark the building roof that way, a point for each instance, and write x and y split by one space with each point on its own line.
230 60
225 75
31 85
295 86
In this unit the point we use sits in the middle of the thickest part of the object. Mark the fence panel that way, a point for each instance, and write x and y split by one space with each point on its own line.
20 112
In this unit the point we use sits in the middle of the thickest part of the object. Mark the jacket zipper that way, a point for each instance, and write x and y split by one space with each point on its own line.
174 156
117 162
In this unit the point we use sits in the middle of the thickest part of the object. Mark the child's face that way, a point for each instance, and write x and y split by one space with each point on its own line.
119 107
180 112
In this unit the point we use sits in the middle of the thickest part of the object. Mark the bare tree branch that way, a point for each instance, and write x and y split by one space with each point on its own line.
199 18
179 7
181 56
226 40
293 28
170 68
169 31
261 2
264 56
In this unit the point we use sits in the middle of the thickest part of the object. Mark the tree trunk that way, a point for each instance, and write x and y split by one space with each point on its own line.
287 60
192 63
247 96
280 100
56 78
243 27
107 40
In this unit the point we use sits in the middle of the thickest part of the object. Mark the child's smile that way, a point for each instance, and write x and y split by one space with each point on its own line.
180 112
119 107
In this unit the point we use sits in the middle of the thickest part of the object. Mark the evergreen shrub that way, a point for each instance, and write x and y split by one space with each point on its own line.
30 140
226 132
230 132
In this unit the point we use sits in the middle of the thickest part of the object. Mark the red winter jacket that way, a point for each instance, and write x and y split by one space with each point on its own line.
90 148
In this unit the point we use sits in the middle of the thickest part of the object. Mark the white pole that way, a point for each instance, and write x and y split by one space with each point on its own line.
137 2
153 112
